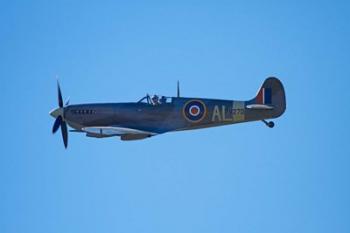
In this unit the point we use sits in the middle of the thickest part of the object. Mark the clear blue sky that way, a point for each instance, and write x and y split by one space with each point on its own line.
243 178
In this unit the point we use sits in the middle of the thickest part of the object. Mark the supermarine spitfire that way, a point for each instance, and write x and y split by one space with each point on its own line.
154 115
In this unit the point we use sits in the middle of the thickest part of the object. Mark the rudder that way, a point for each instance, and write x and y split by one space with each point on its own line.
271 94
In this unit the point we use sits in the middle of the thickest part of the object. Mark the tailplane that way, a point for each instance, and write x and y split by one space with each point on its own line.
271 96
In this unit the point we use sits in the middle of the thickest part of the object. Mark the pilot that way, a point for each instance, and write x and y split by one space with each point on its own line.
155 100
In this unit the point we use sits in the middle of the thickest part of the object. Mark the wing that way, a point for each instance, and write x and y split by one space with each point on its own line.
126 134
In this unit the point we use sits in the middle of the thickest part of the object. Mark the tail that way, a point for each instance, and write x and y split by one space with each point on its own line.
271 96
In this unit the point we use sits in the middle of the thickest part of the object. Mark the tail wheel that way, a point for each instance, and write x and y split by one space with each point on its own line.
269 124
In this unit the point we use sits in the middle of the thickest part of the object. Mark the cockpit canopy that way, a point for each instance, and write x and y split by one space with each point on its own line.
155 100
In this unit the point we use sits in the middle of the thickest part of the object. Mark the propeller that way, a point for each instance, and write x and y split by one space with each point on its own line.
178 89
58 113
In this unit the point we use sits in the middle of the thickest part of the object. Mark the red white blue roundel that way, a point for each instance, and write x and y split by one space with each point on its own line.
194 110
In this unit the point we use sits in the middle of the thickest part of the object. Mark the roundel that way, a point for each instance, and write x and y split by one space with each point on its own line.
194 110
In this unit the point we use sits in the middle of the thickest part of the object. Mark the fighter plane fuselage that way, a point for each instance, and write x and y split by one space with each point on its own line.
138 120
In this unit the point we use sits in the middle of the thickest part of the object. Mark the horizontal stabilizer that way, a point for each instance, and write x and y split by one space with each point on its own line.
259 106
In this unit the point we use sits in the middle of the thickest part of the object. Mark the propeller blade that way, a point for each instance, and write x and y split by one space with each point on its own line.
178 89
64 133
57 124
60 99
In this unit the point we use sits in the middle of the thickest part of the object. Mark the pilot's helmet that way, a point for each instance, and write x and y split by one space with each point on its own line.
155 99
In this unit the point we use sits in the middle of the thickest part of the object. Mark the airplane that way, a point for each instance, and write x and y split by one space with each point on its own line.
155 115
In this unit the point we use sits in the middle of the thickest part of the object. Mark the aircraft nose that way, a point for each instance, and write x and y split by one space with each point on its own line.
55 112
